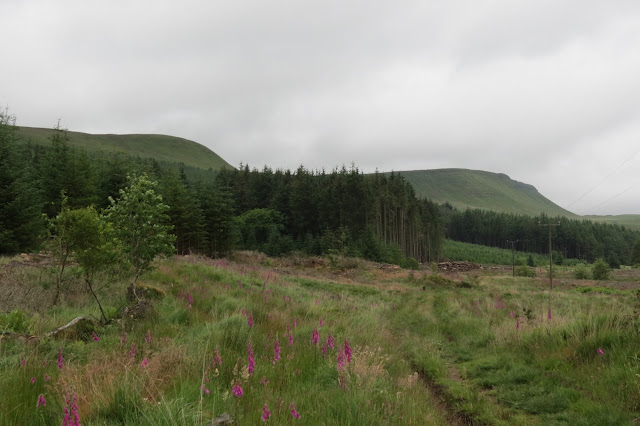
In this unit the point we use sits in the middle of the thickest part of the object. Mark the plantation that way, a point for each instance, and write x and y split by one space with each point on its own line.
320 341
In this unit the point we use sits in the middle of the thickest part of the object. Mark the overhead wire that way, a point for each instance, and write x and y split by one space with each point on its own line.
604 179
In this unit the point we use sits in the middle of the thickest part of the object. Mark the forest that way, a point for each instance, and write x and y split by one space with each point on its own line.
571 238
377 217
374 216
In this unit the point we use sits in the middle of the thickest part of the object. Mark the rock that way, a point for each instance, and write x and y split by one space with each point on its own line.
223 419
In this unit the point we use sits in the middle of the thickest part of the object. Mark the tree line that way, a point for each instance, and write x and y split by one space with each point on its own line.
344 211
573 238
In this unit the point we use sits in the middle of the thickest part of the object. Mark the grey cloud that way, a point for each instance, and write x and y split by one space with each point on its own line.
545 91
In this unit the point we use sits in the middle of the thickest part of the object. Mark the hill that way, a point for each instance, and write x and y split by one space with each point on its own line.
464 188
159 147
631 221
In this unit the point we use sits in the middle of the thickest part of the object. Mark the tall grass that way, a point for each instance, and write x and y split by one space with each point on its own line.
172 377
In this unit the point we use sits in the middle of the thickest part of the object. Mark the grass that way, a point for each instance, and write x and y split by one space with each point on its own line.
456 250
163 148
424 351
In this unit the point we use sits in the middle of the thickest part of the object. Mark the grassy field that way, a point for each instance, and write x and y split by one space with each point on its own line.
160 147
631 221
464 188
345 343
456 250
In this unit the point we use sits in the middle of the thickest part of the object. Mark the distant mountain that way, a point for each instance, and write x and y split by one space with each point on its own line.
464 188
159 147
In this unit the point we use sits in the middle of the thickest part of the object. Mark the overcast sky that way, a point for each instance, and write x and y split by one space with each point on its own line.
546 91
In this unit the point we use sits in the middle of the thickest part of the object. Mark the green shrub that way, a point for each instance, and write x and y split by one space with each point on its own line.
525 271
600 270
581 272
411 263
16 321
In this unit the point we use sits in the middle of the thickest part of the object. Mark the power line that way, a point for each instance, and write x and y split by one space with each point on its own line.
605 178
615 196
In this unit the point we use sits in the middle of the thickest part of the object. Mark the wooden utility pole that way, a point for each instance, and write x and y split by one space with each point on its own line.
550 226
513 256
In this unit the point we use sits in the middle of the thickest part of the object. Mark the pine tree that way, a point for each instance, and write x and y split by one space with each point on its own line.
21 226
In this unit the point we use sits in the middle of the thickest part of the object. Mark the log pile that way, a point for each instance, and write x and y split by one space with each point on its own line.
457 266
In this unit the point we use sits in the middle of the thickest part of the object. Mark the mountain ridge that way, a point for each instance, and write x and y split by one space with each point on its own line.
165 148
466 188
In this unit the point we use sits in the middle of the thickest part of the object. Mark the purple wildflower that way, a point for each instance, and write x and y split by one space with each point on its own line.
147 338
251 359
549 314
276 350
60 359
600 351
294 413
330 342
324 350
250 321
132 352
71 415
237 390
144 362
23 361
41 401
265 412
340 360
291 338
217 360
316 337
347 350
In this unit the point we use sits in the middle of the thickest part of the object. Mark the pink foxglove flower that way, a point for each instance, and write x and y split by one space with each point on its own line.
315 337
237 390
41 401
276 350
600 351
331 342
71 415
217 360
132 352
144 362
251 361
33 380
265 412
340 360
95 337
290 338
60 359
294 413
250 321
347 350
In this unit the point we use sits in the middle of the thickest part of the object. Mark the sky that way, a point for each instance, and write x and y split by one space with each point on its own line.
545 91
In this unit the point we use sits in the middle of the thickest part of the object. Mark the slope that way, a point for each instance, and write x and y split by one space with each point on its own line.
464 188
159 147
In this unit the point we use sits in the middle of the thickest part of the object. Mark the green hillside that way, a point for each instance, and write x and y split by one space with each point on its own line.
464 188
631 221
159 147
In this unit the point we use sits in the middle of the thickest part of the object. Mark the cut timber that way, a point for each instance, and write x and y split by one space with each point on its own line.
70 324
458 266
